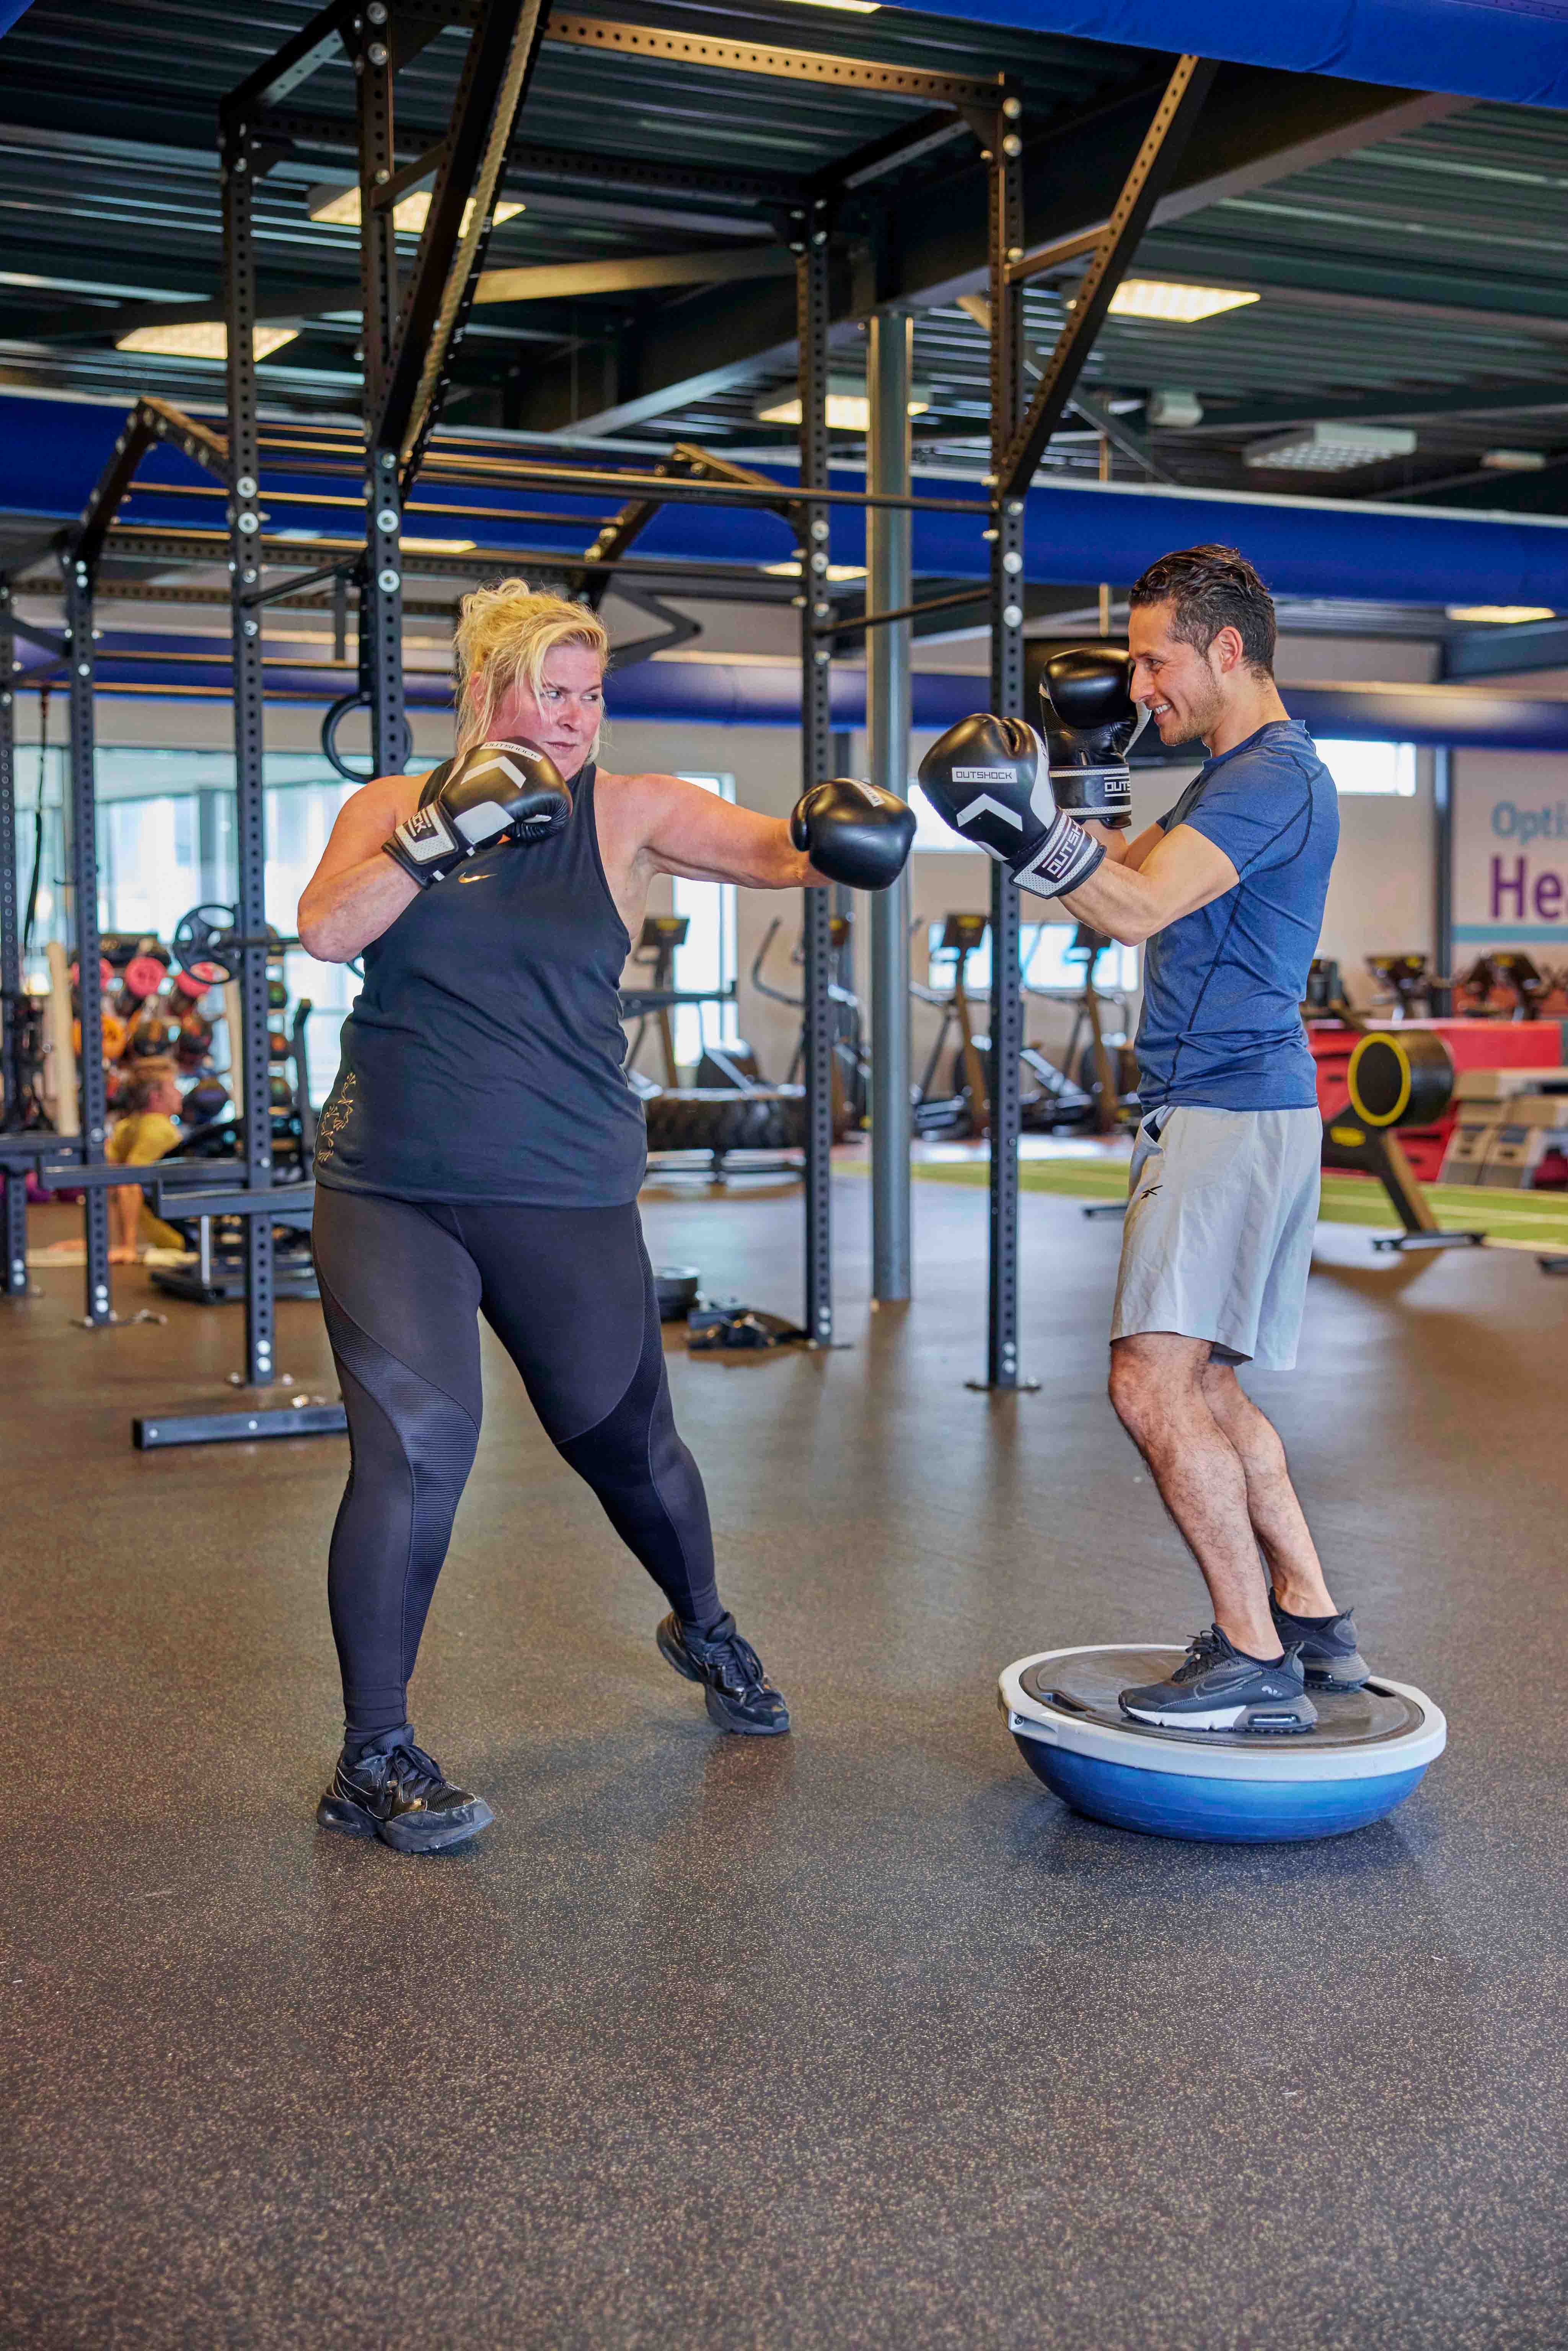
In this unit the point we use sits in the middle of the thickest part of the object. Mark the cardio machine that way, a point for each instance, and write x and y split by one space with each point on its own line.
852 1060
965 1109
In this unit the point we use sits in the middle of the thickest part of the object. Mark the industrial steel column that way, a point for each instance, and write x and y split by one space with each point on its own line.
816 753
81 800
254 1072
381 585
14 1273
1443 876
889 587
1007 608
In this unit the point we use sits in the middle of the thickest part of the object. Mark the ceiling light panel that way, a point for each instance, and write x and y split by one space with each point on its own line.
1500 615
340 208
202 338
849 410
1176 305
1331 448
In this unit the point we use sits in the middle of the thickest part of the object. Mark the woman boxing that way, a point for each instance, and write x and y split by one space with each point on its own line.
481 1154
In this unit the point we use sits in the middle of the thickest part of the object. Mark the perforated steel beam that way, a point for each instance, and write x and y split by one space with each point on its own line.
609 38
1004 238
13 1271
816 766
499 61
82 826
1175 118
887 694
252 1085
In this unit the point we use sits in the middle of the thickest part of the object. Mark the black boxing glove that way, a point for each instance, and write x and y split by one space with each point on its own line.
1090 723
853 832
988 778
496 791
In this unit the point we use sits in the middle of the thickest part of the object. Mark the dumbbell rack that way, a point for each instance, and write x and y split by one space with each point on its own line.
220 1282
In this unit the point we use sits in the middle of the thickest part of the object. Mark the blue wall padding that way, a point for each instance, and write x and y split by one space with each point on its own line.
51 453
1511 49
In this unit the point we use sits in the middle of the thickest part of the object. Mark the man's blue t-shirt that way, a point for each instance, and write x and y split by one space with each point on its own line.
1221 1023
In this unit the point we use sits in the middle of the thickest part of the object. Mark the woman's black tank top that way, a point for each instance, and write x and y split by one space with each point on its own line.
483 1057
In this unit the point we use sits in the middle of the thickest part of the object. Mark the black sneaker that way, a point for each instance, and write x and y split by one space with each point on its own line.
1215 1688
396 1792
738 1693
1330 1657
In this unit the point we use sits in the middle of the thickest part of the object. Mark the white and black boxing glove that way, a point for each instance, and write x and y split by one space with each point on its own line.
853 832
989 780
1090 723
496 791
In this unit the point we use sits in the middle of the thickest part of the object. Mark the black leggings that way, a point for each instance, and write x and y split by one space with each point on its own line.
570 1294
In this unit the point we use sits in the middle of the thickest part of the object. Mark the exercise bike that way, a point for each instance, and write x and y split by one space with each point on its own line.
852 1060
965 1109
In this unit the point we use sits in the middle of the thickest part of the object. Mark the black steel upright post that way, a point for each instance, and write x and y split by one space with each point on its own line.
238 175
889 587
1443 876
81 797
816 754
380 587
14 1275
1006 611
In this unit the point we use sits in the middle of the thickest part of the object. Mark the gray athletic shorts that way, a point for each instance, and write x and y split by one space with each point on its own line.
1218 1238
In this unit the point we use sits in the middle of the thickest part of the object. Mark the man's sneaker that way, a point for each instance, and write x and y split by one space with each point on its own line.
1330 1657
736 1692
396 1792
1217 1687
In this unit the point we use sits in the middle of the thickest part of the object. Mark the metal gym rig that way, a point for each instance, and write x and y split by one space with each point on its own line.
409 333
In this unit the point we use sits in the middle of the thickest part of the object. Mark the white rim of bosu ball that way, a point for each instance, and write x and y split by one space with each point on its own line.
1368 1752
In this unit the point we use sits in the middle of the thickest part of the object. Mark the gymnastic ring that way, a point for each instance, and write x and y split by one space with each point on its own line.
336 758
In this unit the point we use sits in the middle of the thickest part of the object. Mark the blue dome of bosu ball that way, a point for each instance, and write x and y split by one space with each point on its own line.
1370 1748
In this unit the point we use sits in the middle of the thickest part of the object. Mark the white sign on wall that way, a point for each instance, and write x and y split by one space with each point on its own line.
1510 852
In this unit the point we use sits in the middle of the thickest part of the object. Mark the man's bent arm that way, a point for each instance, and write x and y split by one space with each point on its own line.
1177 875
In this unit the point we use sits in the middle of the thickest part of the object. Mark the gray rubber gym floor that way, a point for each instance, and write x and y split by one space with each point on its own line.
858 2038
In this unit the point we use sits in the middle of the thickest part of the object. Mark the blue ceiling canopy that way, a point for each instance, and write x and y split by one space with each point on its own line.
1076 534
1514 50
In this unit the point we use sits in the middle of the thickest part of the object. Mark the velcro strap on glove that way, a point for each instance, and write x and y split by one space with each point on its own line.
1063 861
426 837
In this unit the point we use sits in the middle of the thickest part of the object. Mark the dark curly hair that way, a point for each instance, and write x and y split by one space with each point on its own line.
1209 589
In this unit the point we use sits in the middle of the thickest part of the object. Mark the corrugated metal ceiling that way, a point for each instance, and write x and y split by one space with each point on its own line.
1433 262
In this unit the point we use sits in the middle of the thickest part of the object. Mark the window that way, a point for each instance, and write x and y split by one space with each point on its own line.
165 840
707 959
149 862
1045 957
1364 767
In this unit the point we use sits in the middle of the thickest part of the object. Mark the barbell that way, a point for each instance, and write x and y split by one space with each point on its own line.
208 945
208 942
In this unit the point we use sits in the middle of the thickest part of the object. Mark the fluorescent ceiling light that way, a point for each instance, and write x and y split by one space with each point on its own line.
340 208
436 546
1513 461
1182 306
849 410
1332 448
1503 615
202 338
791 569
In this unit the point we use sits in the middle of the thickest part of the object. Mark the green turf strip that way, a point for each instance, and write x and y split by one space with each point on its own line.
1533 1220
